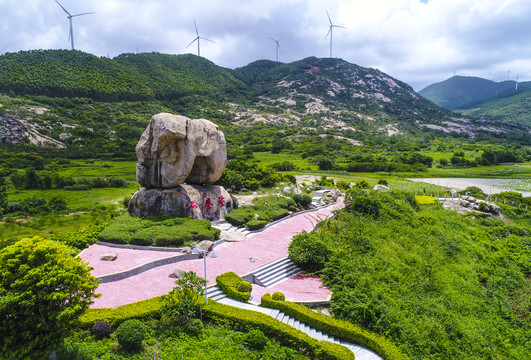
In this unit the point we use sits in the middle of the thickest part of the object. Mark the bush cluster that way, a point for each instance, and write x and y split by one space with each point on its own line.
268 208
36 205
157 231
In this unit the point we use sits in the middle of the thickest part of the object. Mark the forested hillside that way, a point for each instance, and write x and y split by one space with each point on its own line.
59 73
513 107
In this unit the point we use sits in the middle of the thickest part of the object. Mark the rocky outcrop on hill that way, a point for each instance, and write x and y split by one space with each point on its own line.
16 130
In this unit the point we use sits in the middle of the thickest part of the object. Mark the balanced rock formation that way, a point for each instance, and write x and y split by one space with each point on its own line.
175 149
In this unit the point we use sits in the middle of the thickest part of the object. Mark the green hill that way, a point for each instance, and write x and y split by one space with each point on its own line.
512 107
460 90
65 73
173 76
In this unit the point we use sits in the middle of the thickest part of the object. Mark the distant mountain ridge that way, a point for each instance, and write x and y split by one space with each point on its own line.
458 91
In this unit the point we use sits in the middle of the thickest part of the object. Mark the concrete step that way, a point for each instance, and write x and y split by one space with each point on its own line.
277 277
275 272
215 293
272 265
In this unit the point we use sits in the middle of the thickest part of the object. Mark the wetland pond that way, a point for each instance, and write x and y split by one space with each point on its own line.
489 186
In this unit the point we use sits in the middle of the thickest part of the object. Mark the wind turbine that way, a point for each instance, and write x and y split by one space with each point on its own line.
517 78
330 28
69 17
197 39
277 45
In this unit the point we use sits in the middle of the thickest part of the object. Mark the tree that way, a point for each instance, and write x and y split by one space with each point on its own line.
43 288
182 302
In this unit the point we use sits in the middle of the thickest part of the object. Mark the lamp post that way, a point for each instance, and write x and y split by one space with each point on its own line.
205 253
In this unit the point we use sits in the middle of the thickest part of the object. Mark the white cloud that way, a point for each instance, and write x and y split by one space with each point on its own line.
415 41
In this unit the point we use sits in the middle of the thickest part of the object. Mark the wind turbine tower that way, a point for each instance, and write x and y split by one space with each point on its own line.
517 78
69 17
197 39
277 46
330 30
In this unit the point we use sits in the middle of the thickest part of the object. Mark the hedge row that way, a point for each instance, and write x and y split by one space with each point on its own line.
337 328
146 309
219 313
287 335
231 284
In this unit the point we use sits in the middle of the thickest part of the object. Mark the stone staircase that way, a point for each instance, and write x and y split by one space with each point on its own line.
215 293
224 225
360 352
275 272
318 196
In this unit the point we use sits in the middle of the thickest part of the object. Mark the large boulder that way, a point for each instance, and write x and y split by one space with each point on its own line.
198 201
174 149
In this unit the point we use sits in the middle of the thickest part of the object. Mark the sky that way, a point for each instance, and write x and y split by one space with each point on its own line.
419 42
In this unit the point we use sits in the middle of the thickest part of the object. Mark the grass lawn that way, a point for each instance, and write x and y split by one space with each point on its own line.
267 158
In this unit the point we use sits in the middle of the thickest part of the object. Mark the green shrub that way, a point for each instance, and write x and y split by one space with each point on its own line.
277 213
130 334
256 339
245 286
383 182
309 251
343 184
101 329
475 192
157 230
238 217
146 310
256 224
230 282
362 184
278 296
337 328
367 205
194 327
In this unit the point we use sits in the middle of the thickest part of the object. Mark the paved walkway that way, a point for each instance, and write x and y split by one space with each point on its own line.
268 245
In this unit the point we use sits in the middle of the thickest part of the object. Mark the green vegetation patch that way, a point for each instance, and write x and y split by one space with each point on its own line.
265 209
337 328
438 284
157 231
426 200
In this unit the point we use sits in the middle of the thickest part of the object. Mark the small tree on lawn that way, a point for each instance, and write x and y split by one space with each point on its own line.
43 288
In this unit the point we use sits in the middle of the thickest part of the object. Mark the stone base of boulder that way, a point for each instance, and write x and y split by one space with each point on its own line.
210 202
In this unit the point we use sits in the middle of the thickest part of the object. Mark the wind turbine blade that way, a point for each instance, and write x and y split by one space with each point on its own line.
62 8
196 32
206 39
328 17
338 26
193 41
88 13
329 31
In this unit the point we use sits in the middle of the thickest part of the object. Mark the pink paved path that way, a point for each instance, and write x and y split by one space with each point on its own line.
269 245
